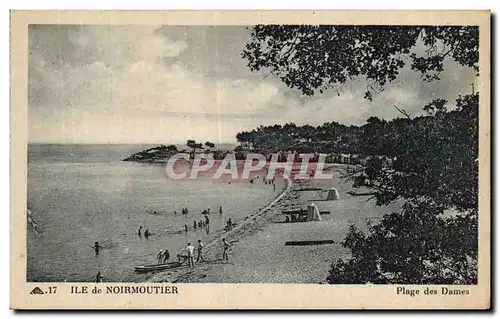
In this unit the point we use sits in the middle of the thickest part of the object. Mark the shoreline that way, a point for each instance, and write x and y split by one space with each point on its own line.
258 252
243 229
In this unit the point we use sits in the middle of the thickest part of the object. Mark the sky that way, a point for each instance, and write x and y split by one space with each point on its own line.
167 84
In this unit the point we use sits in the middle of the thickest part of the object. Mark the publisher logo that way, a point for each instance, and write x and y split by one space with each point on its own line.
36 291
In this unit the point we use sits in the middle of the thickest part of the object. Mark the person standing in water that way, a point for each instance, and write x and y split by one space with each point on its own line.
97 248
190 253
99 277
186 228
139 231
147 233
220 210
194 224
225 249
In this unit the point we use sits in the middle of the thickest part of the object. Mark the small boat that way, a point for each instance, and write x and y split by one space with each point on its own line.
157 267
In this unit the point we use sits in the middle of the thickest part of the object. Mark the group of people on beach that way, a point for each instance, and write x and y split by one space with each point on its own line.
163 257
189 255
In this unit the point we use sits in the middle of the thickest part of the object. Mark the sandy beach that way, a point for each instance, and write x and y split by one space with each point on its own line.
258 253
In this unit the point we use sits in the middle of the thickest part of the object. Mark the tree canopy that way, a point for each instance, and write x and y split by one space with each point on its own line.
314 58
192 144
209 145
434 238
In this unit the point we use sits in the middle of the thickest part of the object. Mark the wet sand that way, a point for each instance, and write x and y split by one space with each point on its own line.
258 253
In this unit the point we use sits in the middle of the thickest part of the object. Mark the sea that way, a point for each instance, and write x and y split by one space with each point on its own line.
82 194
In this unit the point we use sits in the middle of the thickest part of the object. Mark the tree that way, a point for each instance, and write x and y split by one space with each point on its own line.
316 58
434 237
192 144
209 145
172 148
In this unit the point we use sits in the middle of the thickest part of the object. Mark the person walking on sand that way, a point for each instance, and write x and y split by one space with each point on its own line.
190 253
200 251
225 249
159 257
220 210
194 224
186 228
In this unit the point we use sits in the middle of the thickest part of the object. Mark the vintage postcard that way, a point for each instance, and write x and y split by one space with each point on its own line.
250 160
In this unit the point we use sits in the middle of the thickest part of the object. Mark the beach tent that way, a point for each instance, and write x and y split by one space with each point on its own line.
313 213
333 194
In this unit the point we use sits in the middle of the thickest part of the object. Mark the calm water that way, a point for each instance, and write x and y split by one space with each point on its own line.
79 194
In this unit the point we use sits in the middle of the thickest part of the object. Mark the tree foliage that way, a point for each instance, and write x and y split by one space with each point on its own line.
209 145
434 238
192 144
172 148
314 58
375 137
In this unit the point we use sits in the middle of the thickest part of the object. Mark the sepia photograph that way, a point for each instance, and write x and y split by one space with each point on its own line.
307 153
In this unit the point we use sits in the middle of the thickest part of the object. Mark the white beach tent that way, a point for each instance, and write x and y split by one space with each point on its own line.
333 194
313 213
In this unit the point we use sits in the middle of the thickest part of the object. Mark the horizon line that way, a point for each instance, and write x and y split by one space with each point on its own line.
119 143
